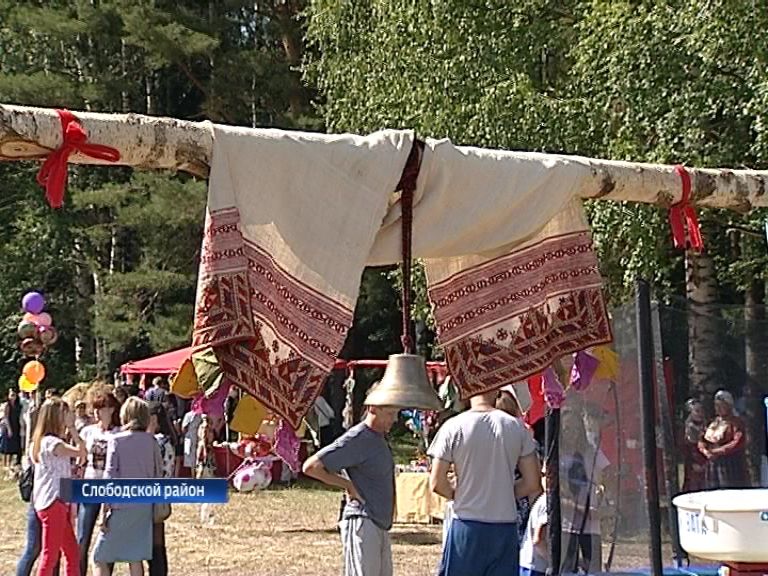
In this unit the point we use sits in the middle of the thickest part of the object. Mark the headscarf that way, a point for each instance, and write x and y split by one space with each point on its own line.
725 396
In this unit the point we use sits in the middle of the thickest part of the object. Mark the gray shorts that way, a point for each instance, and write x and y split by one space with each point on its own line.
367 548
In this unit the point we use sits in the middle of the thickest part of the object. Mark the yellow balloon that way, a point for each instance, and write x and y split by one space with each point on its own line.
25 385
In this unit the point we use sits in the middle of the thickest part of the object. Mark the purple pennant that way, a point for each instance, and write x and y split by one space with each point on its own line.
554 395
583 370
286 445
215 404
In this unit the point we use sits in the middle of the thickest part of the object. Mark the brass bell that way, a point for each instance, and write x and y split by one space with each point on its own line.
405 384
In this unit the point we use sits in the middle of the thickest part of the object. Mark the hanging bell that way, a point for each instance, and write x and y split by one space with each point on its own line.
405 384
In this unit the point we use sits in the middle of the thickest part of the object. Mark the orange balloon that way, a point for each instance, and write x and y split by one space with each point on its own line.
34 371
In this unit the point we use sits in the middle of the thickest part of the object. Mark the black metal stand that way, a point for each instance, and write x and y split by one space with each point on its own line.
552 456
648 415
668 437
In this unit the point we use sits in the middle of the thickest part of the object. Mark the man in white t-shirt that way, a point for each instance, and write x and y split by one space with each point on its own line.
485 447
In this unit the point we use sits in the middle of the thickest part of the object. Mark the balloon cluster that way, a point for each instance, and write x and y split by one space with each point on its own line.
36 334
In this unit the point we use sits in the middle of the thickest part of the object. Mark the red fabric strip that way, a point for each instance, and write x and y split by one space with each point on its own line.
53 173
686 231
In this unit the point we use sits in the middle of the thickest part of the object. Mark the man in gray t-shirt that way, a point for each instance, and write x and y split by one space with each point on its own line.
361 463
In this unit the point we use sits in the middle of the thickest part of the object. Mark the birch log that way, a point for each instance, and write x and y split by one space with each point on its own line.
144 142
151 143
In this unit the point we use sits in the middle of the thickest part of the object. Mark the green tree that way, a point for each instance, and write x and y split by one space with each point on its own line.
119 261
664 82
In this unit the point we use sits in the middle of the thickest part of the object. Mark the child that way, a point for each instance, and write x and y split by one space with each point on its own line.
5 431
206 464
534 556
82 419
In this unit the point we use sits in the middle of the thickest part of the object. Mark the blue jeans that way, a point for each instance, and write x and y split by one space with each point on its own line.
87 515
34 541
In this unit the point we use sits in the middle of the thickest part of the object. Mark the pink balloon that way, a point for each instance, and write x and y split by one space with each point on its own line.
44 319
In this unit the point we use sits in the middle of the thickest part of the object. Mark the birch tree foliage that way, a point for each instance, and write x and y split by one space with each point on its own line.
658 82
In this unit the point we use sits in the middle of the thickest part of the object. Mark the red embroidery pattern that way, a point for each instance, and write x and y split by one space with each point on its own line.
311 324
249 308
496 331
288 387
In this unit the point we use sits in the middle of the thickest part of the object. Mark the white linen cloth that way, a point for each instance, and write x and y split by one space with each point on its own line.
293 218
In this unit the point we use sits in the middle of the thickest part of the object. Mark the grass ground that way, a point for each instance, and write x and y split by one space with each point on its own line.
279 532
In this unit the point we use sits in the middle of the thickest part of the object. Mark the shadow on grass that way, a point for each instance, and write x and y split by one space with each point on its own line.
326 531
415 538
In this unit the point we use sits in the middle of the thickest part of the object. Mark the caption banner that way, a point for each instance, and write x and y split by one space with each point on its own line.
145 491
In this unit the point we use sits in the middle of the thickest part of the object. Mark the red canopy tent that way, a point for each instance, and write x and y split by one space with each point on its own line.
170 362
166 363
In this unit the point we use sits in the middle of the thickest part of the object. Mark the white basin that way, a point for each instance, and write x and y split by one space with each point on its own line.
725 525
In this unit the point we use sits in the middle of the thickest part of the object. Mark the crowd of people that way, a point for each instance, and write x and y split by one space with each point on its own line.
112 433
486 463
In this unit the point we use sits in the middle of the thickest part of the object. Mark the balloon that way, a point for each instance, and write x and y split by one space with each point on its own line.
33 302
48 335
252 477
33 318
44 319
31 347
25 385
34 371
27 330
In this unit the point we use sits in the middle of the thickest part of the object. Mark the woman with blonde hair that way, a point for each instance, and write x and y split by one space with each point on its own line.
126 529
53 461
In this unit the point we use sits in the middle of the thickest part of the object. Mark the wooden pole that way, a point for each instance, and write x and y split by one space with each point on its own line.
153 143
144 142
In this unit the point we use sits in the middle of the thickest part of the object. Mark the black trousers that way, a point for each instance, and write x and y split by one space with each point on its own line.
158 566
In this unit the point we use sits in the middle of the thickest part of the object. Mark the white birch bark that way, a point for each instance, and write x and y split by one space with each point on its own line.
153 143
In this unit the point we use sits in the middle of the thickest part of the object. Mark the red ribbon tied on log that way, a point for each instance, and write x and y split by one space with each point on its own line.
682 217
53 173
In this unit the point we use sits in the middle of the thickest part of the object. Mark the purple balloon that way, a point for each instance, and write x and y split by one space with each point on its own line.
33 302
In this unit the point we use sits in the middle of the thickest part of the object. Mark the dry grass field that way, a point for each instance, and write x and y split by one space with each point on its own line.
279 532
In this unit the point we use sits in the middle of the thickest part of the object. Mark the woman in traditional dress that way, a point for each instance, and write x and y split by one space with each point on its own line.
695 463
126 534
724 446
